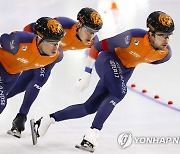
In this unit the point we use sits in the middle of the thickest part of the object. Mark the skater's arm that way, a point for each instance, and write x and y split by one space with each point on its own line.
104 45
10 42
121 40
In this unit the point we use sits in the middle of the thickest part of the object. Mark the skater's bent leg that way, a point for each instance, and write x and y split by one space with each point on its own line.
30 96
71 112
105 110
21 83
81 110
7 81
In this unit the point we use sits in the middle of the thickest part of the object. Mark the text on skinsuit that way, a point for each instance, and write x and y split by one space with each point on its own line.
37 86
22 60
2 96
42 72
118 73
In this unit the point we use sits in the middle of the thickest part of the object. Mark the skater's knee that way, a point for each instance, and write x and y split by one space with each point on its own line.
41 82
119 93
38 84
90 109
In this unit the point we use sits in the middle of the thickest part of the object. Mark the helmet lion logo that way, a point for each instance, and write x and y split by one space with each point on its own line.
165 20
96 18
54 26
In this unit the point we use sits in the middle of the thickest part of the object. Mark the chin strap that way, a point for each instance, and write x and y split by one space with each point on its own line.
77 29
38 43
78 37
40 51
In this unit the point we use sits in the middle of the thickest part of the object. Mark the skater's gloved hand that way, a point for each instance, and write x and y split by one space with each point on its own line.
83 82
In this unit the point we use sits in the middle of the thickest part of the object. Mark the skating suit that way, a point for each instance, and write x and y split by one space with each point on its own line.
19 53
38 77
116 59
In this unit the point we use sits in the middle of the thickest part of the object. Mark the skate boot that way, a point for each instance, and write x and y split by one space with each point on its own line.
40 127
18 125
89 140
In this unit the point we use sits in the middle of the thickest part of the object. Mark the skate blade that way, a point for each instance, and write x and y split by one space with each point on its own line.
14 133
33 132
84 148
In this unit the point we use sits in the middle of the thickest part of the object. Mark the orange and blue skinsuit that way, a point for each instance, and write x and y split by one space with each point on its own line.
117 58
19 52
70 41
38 77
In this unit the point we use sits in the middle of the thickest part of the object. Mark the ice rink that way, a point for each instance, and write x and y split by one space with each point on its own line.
137 114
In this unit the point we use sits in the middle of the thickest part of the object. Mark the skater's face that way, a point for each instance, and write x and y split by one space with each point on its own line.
159 40
86 34
49 48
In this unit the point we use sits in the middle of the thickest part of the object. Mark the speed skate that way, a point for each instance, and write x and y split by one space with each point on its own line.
14 132
87 147
33 132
